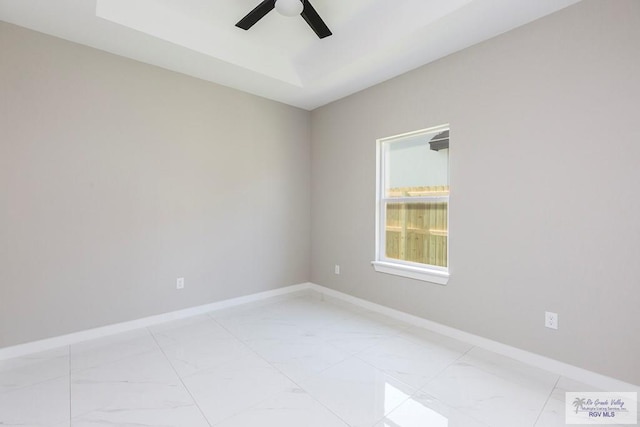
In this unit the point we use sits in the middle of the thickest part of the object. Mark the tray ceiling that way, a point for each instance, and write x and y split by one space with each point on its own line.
280 57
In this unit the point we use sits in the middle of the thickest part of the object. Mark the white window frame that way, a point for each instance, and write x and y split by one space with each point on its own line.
382 264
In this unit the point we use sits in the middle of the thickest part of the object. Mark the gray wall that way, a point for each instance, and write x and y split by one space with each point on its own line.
545 185
118 177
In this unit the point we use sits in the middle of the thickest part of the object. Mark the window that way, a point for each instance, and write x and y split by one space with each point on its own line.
412 218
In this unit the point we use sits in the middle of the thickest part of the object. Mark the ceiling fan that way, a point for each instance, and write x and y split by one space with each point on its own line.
287 8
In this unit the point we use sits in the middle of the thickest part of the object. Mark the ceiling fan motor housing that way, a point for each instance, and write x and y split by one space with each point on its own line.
289 7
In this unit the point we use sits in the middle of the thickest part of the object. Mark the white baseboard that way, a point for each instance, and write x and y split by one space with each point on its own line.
89 334
582 375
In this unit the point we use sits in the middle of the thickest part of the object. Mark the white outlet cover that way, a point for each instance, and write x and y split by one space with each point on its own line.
180 283
551 320
337 269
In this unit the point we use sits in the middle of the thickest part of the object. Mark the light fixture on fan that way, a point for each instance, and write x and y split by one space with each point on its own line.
289 7
301 8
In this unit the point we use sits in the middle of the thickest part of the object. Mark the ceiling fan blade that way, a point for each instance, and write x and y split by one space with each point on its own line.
256 14
315 22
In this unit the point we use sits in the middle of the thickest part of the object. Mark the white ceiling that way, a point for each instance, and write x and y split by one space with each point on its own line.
280 58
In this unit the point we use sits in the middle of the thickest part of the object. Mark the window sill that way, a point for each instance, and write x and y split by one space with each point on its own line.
424 274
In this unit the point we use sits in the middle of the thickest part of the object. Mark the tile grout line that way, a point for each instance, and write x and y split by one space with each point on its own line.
355 355
555 385
254 352
98 365
195 402
490 373
451 364
284 374
416 390
440 373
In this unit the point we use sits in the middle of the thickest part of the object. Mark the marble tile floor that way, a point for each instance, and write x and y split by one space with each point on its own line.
300 360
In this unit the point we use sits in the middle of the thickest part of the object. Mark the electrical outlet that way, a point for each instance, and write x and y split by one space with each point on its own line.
180 283
337 269
551 320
